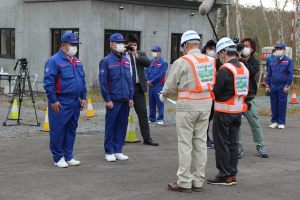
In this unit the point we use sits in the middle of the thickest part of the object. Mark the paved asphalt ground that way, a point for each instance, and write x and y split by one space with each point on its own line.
27 171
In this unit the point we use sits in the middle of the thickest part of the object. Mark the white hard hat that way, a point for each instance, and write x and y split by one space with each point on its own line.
189 35
225 42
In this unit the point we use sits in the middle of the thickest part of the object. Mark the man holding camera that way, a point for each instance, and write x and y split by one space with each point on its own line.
64 83
138 62
247 51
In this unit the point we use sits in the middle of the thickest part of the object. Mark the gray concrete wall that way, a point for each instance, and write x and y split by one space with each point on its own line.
33 22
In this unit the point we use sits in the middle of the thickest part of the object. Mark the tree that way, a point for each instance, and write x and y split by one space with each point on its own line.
267 22
278 16
227 21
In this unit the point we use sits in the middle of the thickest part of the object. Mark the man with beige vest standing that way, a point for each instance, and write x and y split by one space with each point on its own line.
193 77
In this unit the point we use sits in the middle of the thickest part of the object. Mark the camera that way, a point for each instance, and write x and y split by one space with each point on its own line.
239 46
23 62
129 47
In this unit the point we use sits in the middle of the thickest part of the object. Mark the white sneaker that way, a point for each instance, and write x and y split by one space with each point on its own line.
273 125
120 156
73 162
61 163
110 157
160 122
281 126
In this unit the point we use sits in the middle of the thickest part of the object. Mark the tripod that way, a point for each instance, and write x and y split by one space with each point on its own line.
19 91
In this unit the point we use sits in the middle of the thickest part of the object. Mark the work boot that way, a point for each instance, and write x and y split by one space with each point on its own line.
61 163
176 188
73 162
221 181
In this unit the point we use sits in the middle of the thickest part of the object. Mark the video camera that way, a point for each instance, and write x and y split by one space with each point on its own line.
23 62
129 47
239 46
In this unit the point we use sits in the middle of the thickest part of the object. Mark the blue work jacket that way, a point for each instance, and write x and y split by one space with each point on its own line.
115 78
156 72
280 71
64 77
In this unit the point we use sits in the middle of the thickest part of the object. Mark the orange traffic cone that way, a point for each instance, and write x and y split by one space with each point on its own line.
294 99
90 111
46 122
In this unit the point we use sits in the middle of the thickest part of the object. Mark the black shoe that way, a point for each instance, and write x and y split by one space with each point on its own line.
221 181
197 189
150 143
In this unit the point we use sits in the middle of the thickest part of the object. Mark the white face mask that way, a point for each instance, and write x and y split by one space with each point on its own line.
72 50
246 51
120 48
154 54
274 54
279 53
211 53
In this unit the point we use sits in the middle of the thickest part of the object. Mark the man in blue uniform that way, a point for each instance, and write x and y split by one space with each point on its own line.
117 90
65 86
279 79
155 80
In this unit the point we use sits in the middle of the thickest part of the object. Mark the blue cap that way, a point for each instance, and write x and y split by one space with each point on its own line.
156 48
280 46
116 37
69 38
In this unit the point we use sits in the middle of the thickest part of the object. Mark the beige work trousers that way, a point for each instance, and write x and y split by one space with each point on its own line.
191 127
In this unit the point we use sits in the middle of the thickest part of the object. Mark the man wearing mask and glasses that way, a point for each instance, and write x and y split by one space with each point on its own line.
65 86
117 91
280 76
251 114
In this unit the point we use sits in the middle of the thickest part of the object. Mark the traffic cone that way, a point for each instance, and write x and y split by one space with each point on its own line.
131 133
14 112
90 111
294 99
46 122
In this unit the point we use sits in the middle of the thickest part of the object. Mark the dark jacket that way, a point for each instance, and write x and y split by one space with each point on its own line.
253 66
141 62
224 87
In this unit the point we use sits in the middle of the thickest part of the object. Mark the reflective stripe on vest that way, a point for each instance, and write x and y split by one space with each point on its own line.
241 88
194 95
204 71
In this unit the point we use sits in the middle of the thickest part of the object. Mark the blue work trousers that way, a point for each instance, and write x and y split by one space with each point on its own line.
154 102
278 103
116 121
63 127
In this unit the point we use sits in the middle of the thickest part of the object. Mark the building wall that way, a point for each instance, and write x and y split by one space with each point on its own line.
33 22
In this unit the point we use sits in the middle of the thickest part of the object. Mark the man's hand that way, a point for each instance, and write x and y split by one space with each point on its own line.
83 104
286 89
149 83
162 98
267 90
130 103
56 106
109 105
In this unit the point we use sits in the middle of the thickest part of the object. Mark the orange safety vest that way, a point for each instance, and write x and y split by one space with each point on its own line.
241 87
204 70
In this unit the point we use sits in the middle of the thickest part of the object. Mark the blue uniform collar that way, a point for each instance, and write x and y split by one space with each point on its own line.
159 60
116 56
